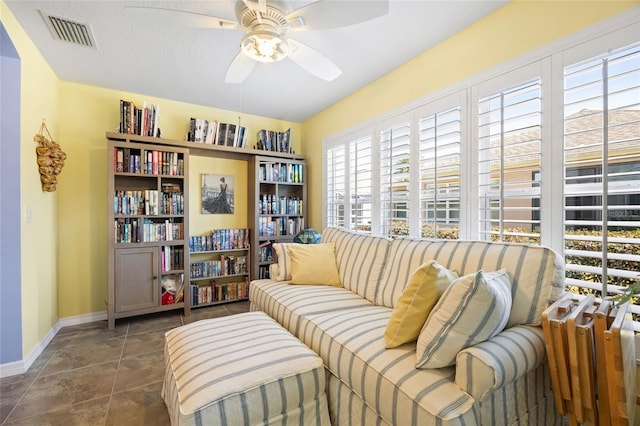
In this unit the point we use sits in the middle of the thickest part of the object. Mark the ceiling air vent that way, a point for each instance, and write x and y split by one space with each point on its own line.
67 30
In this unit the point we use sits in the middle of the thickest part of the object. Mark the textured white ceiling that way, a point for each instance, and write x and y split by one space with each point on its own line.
175 60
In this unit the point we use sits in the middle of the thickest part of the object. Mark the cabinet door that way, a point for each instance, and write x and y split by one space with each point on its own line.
137 284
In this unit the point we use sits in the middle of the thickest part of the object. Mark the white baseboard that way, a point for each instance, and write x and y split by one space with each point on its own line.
82 319
42 344
11 368
19 367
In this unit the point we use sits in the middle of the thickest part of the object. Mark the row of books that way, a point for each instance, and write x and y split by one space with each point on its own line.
275 226
139 121
213 132
172 258
220 239
265 253
134 230
270 140
226 265
148 162
148 202
281 172
272 204
218 292
263 272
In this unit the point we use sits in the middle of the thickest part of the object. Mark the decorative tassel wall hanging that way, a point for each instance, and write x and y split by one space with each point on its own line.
50 159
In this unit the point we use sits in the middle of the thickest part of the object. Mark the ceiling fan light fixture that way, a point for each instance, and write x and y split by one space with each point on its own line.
264 46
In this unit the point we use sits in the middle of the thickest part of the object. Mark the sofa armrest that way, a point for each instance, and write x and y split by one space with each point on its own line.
487 366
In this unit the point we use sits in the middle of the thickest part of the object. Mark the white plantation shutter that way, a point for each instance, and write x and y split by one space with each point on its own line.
336 186
360 184
602 172
394 179
439 140
509 163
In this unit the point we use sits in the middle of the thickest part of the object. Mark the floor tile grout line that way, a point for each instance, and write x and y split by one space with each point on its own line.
115 377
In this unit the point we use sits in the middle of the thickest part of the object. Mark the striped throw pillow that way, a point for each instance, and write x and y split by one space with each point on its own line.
474 308
284 262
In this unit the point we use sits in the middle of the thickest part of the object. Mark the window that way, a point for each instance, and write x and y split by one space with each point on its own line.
439 137
602 172
509 164
394 179
360 184
335 181
349 185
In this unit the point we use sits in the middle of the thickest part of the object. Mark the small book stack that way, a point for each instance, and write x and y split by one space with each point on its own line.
139 121
270 140
213 132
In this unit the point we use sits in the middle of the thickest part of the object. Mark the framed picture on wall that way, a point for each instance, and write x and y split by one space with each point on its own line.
217 194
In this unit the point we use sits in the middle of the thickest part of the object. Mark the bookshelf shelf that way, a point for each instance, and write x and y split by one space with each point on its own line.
148 189
278 207
213 277
198 148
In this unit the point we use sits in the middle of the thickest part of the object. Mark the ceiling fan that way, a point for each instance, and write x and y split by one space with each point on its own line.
267 27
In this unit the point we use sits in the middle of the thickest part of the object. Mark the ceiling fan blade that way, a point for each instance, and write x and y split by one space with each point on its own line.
313 61
323 15
239 69
256 5
190 19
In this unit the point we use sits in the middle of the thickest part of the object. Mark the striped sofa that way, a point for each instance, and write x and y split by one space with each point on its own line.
501 381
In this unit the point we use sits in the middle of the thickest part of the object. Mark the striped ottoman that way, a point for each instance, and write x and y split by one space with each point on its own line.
242 369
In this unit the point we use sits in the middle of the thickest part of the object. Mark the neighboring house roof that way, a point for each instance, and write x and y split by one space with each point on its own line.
584 135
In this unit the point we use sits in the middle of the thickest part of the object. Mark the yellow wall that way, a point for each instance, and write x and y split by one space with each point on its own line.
200 223
514 29
40 99
86 113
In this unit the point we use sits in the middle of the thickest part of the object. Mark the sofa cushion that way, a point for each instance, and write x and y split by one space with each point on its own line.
474 308
537 273
287 303
351 343
425 287
360 260
313 264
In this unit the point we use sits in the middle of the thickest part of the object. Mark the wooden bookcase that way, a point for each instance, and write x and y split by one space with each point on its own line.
278 209
137 269
148 222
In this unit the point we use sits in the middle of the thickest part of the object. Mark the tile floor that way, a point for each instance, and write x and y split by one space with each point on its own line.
89 375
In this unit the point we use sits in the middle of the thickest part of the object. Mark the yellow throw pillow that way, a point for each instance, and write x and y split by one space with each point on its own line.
314 264
423 290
